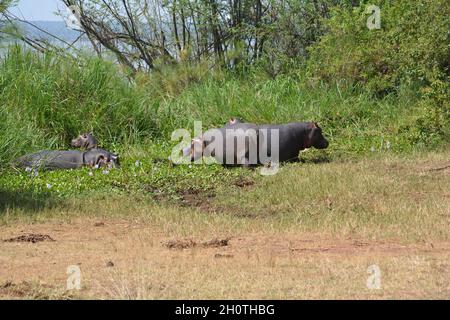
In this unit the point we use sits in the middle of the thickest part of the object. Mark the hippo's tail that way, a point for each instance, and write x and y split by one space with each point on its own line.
33 160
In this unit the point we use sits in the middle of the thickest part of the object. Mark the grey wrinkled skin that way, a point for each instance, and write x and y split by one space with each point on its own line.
67 159
189 150
240 152
85 141
293 138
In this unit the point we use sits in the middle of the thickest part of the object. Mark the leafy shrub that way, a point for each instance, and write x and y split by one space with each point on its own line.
431 126
411 48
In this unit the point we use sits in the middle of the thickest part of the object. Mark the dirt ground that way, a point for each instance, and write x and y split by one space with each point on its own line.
369 229
125 258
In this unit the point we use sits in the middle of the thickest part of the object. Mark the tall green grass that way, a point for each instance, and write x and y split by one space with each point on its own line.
45 100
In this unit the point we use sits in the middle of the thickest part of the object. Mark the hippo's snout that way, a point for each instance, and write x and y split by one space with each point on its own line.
76 143
323 144
317 140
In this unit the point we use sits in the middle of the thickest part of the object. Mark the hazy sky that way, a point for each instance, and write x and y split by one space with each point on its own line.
38 10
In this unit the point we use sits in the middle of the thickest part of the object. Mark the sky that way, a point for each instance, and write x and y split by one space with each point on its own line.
33 10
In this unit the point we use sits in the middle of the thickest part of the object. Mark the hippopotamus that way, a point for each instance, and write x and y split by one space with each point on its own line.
68 159
85 141
256 144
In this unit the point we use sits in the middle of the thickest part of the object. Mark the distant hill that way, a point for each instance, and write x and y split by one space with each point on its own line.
57 28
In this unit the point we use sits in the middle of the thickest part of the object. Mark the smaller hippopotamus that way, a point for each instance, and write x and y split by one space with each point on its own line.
68 159
85 141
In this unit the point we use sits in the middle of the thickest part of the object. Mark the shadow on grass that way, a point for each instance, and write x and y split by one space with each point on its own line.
26 201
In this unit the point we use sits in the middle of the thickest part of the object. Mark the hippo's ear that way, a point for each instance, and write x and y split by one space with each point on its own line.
234 120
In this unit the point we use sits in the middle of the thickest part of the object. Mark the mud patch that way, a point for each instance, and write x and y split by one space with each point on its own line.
179 244
196 198
223 255
31 237
154 191
31 290
216 243
189 243
244 182
110 264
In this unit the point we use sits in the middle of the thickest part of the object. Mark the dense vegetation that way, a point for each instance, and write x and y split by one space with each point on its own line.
371 90
319 228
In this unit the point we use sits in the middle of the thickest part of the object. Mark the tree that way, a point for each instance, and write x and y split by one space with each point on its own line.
4 5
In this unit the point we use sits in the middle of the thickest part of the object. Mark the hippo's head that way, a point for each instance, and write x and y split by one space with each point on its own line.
113 161
85 141
197 147
101 158
194 151
315 137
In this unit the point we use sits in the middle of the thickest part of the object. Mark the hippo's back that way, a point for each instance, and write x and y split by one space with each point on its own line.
50 160
290 139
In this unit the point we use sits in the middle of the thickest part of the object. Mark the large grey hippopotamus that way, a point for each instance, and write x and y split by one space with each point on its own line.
67 159
240 143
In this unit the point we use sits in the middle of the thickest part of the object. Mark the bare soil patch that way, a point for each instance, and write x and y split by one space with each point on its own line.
189 243
31 237
196 198
31 290
129 259
191 198
244 182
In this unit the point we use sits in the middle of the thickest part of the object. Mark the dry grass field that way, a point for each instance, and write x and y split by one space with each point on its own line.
311 231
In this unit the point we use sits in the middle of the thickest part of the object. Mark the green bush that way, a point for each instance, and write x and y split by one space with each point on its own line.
431 125
411 48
